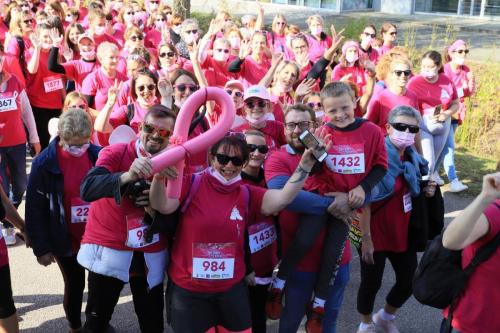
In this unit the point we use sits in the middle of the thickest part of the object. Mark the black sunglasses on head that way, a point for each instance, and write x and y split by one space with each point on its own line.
403 127
263 149
224 159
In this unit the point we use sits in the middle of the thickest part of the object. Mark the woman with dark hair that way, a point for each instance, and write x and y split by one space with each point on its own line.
366 38
389 33
73 32
207 266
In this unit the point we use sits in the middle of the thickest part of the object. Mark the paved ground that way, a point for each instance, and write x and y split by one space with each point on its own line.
38 294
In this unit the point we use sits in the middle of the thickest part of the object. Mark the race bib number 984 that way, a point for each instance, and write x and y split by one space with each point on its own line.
213 261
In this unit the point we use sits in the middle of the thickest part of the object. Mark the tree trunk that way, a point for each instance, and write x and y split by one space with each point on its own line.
182 8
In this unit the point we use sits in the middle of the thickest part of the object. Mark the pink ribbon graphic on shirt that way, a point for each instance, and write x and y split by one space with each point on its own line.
181 146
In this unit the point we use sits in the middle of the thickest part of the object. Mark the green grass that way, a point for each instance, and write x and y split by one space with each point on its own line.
471 168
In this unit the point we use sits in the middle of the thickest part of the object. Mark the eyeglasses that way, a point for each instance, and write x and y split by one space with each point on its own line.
302 125
224 159
222 50
161 19
135 38
236 93
150 87
394 33
367 34
263 149
182 87
79 106
406 73
252 105
191 31
149 129
312 105
30 21
167 54
403 127
461 51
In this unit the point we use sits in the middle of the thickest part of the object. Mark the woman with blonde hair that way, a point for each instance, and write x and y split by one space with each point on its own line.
318 40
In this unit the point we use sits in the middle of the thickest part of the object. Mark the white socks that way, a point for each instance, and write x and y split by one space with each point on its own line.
363 326
318 303
386 316
278 284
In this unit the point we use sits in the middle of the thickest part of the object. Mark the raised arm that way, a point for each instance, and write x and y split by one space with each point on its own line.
101 123
158 192
268 78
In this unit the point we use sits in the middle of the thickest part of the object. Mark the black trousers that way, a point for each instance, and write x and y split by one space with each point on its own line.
42 117
307 233
74 284
7 307
404 265
258 297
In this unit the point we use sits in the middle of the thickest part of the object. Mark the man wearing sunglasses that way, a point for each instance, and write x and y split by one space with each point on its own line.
279 166
121 228
258 109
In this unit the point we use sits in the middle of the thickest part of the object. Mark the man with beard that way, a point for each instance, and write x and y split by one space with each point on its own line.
121 235
279 166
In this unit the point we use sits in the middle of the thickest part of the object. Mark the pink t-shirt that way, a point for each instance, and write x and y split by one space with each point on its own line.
252 72
432 94
77 70
317 47
153 38
357 76
380 106
97 84
119 116
384 49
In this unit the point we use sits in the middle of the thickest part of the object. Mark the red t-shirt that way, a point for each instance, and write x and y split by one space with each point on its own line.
77 70
431 94
10 114
45 88
262 241
357 76
317 47
282 163
208 252
355 151
11 65
380 106
217 74
390 219
274 133
74 169
475 311
153 38
97 84
252 72
110 224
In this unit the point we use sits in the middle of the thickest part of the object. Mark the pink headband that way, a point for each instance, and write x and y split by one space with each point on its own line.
455 46
350 44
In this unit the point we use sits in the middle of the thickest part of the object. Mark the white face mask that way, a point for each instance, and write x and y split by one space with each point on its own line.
316 31
46 46
177 29
146 102
351 57
429 74
459 61
366 41
99 31
129 18
69 18
159 25
220 56
216 174
153 6
256 121
190 38
235 42
76 151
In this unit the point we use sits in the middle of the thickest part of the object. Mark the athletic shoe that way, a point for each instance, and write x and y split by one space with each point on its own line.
10 236
387 326
437 179
273 303
370 329
314 323
457 186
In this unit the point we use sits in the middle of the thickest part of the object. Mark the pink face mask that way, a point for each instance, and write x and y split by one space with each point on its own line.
402 139
88 55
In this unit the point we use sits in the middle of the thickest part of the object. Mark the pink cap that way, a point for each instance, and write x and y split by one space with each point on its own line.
257 91
456 45
234 83
350 44
85 35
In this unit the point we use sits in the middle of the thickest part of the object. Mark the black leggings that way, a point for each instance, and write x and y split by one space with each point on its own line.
404 265
7 307
74 284
42 117
307 233
258 297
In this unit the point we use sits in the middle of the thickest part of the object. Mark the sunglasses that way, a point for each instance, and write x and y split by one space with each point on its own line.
191 31
224 159
367 34
80 106
280 23
182 87
222 50
394 33
252 105
167 13
160 19
167 54
135 38
406 73
150 87
149 129
312 105
236 93
303 125
130 13
403 127
461 51
263 149
30 21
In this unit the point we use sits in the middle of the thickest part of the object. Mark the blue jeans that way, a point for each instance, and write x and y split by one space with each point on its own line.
14 159
447 156
298 293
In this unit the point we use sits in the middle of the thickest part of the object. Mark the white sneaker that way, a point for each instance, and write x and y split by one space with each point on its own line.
457 186
10 236
370 329
387 326
437 179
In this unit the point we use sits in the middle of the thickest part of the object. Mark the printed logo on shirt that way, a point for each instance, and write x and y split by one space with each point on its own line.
235 215
444 94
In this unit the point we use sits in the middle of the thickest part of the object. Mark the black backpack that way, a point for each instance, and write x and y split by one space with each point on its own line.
439 279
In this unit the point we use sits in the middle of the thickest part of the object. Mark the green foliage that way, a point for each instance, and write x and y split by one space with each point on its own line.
203 19
353 27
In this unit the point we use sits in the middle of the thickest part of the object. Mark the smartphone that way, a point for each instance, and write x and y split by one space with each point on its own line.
309 141
437 109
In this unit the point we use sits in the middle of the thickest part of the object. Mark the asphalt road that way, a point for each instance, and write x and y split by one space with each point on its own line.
38 294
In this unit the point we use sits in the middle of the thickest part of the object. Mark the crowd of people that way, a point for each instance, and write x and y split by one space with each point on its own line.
264 223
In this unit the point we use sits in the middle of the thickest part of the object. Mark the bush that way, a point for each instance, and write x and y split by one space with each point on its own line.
203 19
